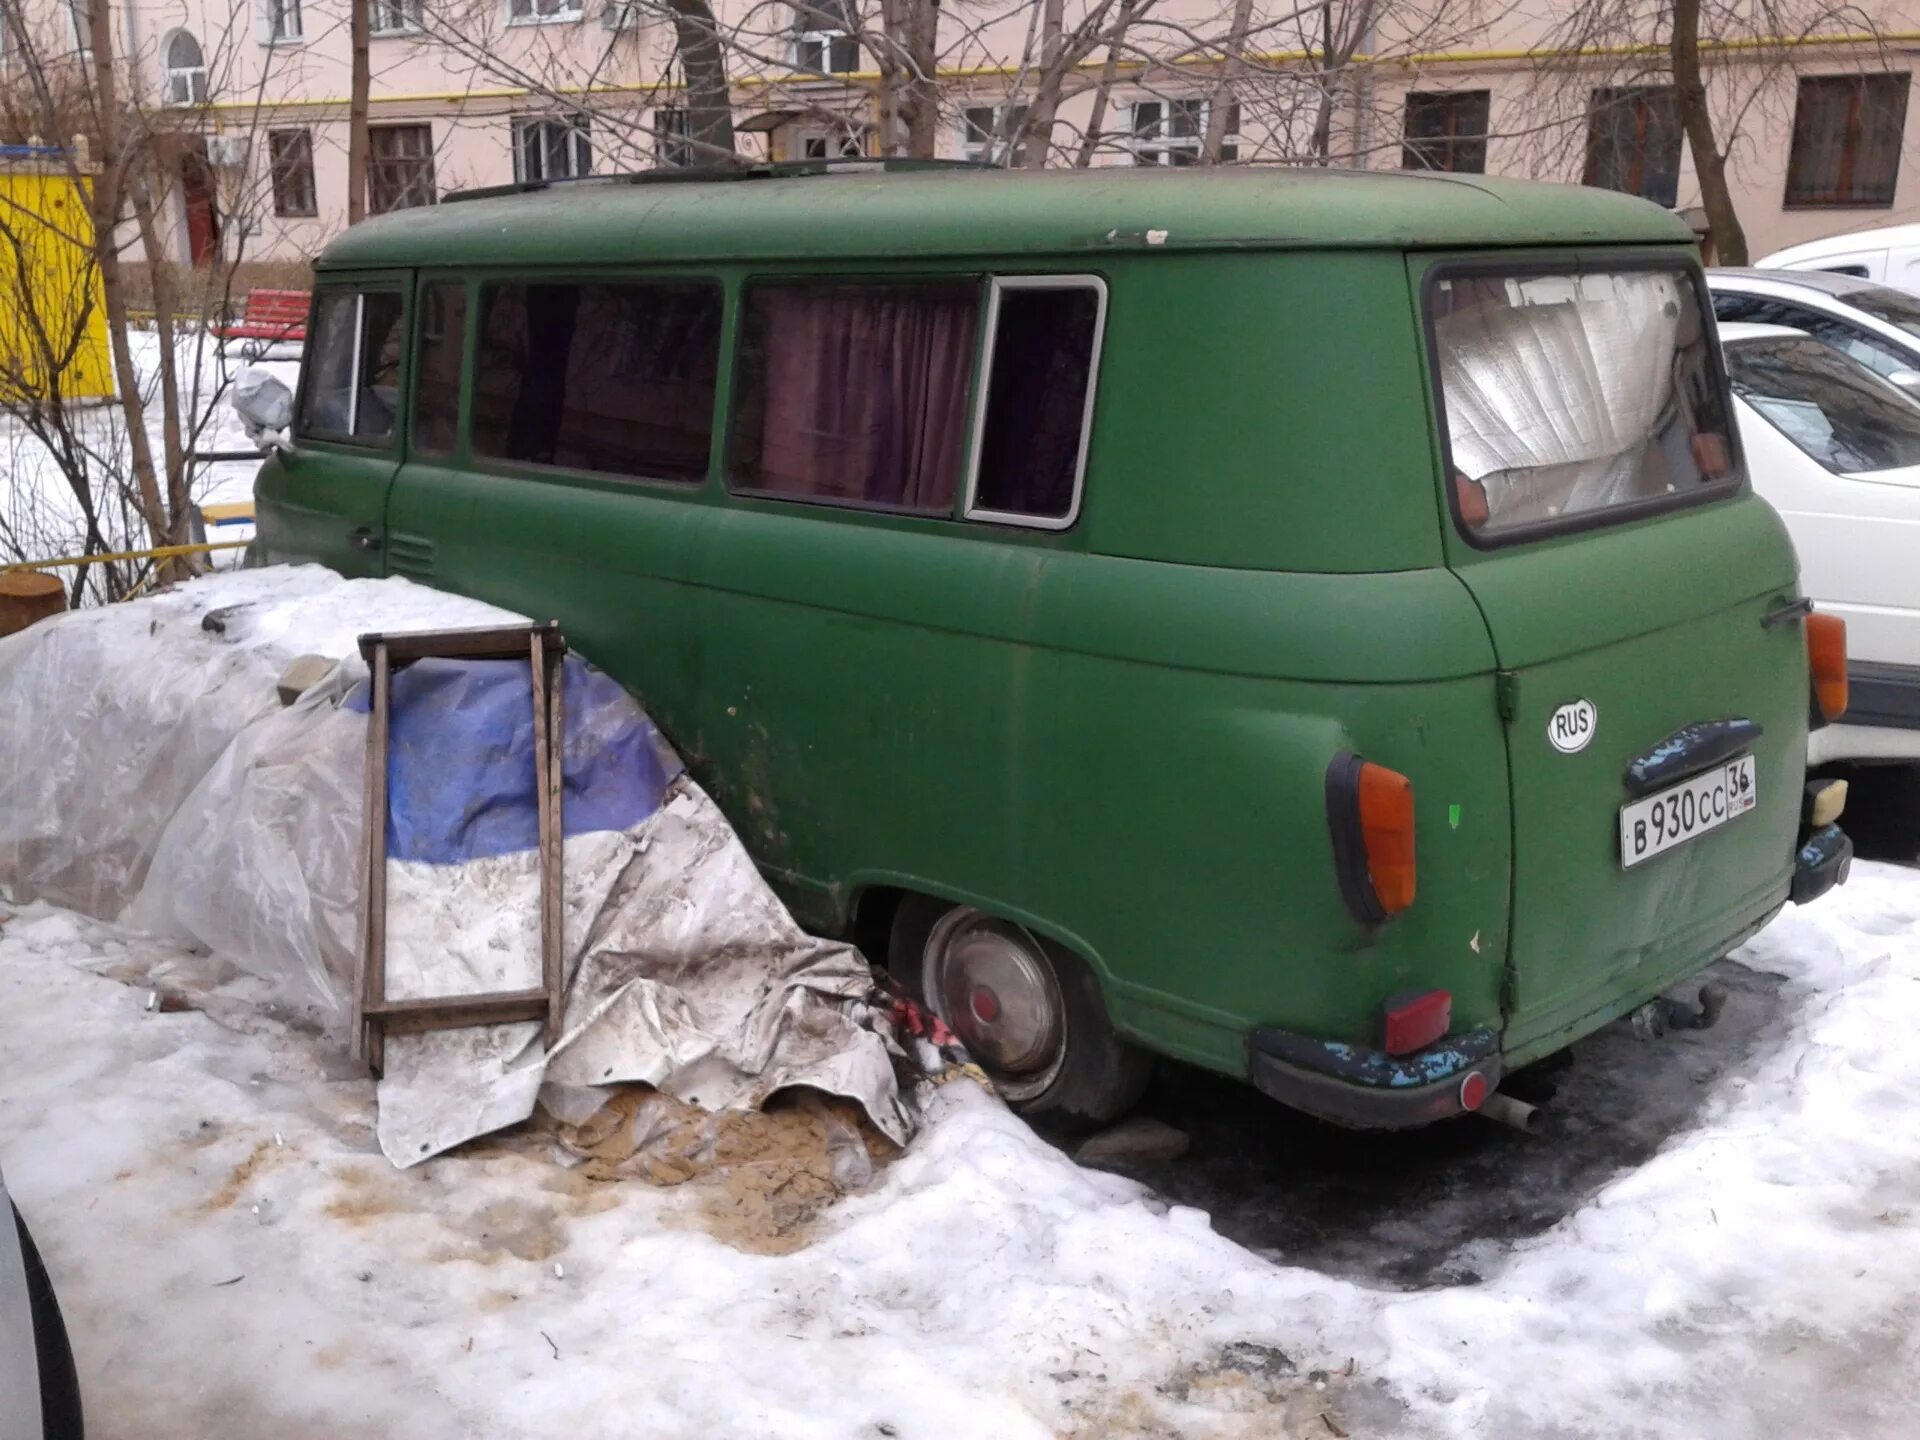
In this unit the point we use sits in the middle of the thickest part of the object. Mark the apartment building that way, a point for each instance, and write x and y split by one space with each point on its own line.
253 100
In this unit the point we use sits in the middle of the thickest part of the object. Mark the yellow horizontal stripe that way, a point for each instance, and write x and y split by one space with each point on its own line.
164 552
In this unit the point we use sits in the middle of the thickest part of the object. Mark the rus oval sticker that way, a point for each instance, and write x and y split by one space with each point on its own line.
1571 726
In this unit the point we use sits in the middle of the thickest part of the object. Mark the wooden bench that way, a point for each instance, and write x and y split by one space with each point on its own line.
269 317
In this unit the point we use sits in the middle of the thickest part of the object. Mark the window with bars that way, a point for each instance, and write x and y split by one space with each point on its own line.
1633 142
673 137
849 144
553 147
987 132
399 167
823 37
290 158
393 17
1174 132
1446 130
1846 140
543 12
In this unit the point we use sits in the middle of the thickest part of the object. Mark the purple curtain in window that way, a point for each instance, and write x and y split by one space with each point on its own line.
861 390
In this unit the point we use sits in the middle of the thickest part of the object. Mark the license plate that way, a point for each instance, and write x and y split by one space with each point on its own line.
1657 823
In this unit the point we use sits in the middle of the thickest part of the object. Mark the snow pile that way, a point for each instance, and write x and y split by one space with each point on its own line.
1755 1278
183 799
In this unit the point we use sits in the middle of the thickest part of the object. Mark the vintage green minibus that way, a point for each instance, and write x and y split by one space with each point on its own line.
1314 625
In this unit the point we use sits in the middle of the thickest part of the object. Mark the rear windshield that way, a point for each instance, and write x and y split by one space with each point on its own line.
1828 404
1572 399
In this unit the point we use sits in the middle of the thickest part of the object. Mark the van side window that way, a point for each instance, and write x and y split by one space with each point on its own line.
1044 339
855 392
436 385
614 377
353 388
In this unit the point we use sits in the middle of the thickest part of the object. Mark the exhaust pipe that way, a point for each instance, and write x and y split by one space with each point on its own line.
1517 1113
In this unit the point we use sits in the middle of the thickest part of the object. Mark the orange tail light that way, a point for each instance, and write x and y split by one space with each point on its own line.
1827 663
1386 830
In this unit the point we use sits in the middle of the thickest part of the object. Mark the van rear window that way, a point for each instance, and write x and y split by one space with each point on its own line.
614 378
1575 398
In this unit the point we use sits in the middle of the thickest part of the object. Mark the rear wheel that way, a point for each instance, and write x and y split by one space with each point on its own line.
1028 1011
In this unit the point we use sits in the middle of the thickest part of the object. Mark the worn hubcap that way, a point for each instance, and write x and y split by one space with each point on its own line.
990 981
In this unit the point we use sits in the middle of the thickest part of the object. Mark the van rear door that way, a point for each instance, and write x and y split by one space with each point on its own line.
1640 602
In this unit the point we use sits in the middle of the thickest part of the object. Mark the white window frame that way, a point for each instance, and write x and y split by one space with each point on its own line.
977 151
579 145
1162 142
563 12
186 73
280 22
82 33
408 12
834 142
999 285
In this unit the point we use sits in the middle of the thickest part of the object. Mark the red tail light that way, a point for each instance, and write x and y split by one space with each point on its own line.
1827 663
1370 814
1414 1022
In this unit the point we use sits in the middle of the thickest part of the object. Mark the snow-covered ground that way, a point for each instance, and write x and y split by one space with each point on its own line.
37 506
236 1259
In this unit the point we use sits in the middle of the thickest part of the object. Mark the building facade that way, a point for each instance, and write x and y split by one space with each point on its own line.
252 100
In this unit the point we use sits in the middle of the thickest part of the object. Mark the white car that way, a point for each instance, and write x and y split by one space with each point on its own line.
1877 326
39 1394
1836 450
1889 255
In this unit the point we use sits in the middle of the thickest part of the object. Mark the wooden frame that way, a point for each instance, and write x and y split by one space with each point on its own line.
374 1015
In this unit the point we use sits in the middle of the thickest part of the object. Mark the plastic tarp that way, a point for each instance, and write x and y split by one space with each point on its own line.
148 773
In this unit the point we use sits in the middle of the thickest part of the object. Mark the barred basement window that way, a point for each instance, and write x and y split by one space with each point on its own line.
1446 130
1846 140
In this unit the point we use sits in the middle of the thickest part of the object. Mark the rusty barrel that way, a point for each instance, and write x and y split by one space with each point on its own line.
27 596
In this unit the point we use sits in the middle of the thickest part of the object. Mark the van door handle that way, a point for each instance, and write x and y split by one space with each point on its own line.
364 539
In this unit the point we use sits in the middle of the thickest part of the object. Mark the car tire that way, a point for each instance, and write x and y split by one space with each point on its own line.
1028 1010
60 1417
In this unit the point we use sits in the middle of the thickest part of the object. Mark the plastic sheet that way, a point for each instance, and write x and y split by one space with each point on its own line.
182 799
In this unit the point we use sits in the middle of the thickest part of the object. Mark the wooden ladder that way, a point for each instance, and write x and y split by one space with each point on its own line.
375 1016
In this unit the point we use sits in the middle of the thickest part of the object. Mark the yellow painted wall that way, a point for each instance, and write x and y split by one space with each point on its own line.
47 276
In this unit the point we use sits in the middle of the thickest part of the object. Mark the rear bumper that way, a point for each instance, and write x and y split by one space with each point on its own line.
1822 862
1367 1089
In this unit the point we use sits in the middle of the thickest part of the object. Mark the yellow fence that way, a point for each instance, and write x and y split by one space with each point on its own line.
50 296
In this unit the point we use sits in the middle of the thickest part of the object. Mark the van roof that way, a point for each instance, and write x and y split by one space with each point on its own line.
882 211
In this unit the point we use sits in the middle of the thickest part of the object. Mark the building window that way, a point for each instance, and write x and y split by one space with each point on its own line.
186 82
80 16
1174 132
393 17
1446 130
542 12
350 386
436 385
986 131
823 37
855 393
553 148
290 156
1043 340
613 378
673 137
843 144
1846 140
279 22
1633 142
399 167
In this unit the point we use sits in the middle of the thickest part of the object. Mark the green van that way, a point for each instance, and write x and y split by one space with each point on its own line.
1314 625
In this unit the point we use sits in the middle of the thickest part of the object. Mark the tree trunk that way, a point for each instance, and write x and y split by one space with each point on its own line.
359 85
1728 237
105 196
1223 88
887 61
1103 90
165 306
920 105
709 102
1046 91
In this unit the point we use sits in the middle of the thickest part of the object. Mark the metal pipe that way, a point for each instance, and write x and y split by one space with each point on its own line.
1517 1113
